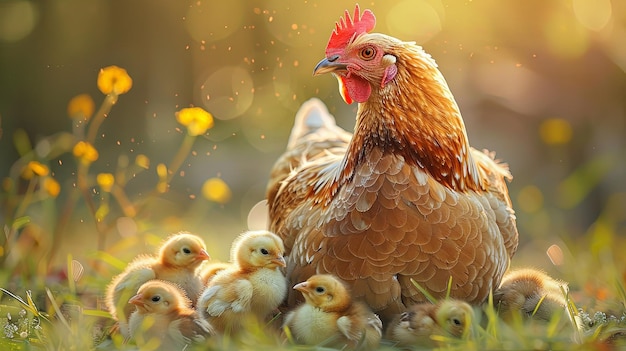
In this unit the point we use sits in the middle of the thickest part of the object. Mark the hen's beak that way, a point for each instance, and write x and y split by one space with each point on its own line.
328 65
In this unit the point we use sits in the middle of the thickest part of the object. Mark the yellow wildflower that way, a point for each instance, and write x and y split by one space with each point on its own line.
196 119
114 80
105 181
85 152
51 186
142 161
81 107
34 168
215 189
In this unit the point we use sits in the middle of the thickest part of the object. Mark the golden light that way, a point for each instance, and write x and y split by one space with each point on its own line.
415 20
228 92
216 190
530 199
556 131
593 14
17 20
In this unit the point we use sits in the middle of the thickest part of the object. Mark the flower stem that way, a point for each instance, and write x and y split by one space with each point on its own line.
100 116
181 155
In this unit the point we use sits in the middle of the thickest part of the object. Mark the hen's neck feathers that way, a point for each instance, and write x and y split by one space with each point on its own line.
414 116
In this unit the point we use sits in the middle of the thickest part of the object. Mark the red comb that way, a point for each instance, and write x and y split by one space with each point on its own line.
347 28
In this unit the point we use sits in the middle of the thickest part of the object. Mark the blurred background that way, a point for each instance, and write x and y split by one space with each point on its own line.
542 83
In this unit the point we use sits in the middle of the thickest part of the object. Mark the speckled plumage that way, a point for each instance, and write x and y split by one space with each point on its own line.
405 198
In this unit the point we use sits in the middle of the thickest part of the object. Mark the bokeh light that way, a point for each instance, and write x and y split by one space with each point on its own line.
228 92
418 20
593 14
18 19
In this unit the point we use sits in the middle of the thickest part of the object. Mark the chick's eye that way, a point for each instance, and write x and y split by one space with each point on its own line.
367 53
320 290
456 321
264 251
156 298
186 250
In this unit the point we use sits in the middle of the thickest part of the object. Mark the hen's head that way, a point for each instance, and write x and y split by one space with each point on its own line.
258 249
360 60
183 250
325 292
160 297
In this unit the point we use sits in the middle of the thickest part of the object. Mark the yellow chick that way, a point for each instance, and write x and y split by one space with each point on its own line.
530 292
210 270
250 290
163 319
330 317
177 261
448 318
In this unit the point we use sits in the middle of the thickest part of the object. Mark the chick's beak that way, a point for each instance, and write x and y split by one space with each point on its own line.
203 255
328 65
280 260
302 287
136 300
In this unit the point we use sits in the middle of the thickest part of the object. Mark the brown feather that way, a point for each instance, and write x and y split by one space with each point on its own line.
406 198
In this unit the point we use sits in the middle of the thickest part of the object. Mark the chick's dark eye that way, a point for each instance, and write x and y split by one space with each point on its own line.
367 53
156 298
320 289
264 251
186 250
456 321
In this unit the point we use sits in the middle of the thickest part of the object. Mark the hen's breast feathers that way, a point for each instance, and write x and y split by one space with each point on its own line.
408 226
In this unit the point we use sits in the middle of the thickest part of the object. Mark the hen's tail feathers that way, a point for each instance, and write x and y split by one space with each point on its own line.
311 117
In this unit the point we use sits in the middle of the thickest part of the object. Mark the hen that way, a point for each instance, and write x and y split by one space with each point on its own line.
164 319
405 197
177 261
330 316
251 289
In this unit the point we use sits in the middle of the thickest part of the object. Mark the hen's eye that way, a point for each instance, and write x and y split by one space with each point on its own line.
367 53
264 251
320 290
156 298
186 250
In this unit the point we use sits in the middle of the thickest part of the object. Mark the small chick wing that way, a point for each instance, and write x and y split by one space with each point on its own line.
448 318
530 292
163 319
177 261
252 288
329 316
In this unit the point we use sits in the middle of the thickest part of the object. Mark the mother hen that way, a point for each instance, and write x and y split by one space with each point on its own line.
404 198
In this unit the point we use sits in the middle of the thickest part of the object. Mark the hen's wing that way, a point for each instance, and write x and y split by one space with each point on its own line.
391 223
315 136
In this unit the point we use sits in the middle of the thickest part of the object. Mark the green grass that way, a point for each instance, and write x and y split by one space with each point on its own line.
51 301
